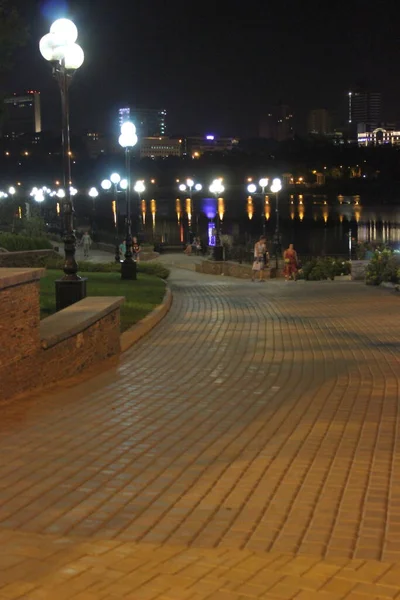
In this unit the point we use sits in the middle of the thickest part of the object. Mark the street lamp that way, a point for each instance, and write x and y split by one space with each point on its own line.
140 188
189 185
127 140
275 189
107 184
217 189
252 189
59 47
93 193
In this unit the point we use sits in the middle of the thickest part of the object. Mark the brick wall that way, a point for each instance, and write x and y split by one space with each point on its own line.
230 269
66 359
25 362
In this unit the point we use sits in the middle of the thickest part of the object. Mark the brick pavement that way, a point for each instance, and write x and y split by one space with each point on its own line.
247 448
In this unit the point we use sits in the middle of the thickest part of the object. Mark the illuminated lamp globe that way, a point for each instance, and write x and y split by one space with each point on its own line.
263 182
123 184
276 182
61 193
128 141
39 196
65 30
251 188
182 187
73 57
190 182
139 187
93 193
115 178
198 187
106 184
49 47
128 128
12 190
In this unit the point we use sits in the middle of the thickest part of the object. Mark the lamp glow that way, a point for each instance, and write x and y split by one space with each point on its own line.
61 193
106 184
182 187
93 193
190 182
123 184
139 187
251 188
198 187
263 182
12 190
65 30
115 178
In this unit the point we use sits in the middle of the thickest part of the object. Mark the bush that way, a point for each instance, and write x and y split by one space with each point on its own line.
18 243
319 269
384 266
154 268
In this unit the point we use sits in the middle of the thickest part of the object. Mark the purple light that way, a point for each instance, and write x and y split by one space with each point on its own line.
209 207
210 137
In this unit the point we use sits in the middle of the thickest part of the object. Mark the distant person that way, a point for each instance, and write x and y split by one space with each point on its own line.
122 250
291 263
136 249
260 258
86 242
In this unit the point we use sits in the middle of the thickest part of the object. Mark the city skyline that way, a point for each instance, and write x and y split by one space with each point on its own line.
214 70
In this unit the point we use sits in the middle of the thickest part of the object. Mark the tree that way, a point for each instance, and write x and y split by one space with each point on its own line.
13 34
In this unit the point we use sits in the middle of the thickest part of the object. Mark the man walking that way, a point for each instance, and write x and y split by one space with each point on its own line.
86 242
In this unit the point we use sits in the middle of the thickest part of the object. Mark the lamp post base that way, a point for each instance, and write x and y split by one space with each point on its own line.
117 254
69 291
218 253
128 270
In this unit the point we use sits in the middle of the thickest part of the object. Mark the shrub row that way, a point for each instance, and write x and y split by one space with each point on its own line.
18 243
319 269
383 267
153 268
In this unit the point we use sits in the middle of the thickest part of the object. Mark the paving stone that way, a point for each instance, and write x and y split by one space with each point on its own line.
246 448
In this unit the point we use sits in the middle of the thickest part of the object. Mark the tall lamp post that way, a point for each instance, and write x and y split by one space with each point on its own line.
217 189
275 189
189 185
127 140
106 185
59 47
252 189
93 193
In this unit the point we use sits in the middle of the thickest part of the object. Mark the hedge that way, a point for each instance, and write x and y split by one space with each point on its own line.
18 243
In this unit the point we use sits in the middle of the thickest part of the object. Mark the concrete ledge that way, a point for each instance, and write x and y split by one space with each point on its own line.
391 286
76 318
135 333
230 269
10 277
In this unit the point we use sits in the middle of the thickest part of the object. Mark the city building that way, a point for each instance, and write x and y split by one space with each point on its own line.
195 146
319 122
96 144
159 147
378 137
364 110
277 124
149 122
22 114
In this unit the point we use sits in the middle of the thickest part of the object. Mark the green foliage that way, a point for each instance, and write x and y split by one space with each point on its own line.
319 269
149 268
384 266
14 242
33 227
141 296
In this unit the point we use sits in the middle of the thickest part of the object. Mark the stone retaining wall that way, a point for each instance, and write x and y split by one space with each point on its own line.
30 355
144 256
358 269
230 269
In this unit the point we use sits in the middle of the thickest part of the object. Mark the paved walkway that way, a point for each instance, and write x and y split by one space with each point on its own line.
247 448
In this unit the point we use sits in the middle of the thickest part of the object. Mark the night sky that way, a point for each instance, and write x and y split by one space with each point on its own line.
214 64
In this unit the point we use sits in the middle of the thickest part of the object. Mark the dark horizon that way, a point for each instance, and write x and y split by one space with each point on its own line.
214 68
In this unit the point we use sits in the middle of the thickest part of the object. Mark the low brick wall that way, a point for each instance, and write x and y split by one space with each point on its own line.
26 258
230 269
36 353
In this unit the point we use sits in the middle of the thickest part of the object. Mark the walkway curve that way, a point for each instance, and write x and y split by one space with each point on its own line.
257 417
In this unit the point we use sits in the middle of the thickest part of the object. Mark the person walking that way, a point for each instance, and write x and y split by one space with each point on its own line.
260 258
86 242
291 263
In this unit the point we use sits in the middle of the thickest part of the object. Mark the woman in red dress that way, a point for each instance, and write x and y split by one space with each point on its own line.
290 258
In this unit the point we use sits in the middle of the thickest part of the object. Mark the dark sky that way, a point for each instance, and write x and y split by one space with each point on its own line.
214 64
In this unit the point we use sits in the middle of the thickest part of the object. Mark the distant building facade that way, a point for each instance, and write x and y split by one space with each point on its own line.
365 110
195 146
22 114
159 147
149 122
277 124
378 137
319 122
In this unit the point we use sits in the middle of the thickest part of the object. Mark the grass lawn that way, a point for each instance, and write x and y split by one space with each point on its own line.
141 296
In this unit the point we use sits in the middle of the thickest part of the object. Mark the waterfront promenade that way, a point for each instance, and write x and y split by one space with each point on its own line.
248 447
